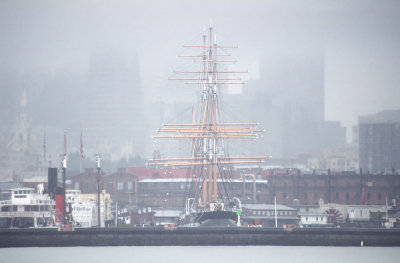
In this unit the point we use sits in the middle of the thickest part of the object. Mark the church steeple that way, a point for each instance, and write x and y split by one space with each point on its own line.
22 140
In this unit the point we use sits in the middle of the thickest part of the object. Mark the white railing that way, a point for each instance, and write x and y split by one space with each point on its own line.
25 214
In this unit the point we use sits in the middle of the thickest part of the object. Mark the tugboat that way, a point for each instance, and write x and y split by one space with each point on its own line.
209 201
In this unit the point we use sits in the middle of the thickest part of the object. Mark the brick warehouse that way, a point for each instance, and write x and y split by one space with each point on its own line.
150 187
341 188
121 185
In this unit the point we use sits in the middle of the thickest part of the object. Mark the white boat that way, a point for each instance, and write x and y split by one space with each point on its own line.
27 208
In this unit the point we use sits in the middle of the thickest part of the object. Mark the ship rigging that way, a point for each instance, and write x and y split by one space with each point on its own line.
209 163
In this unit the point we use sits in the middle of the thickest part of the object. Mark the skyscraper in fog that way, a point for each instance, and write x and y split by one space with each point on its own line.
114 124
293 88
288 101
379 141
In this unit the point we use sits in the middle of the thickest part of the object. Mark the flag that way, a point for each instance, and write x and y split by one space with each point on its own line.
82 153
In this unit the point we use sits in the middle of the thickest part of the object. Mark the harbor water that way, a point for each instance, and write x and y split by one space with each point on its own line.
200 254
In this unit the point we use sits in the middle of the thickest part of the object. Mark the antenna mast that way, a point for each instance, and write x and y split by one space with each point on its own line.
98 167
64 171
44 155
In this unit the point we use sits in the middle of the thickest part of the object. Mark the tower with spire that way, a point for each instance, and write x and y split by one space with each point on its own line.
21 141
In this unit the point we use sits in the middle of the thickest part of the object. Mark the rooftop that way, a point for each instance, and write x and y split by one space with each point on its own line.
266 207
167 213
387 116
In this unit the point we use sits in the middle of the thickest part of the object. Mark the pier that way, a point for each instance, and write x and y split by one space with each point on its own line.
199 237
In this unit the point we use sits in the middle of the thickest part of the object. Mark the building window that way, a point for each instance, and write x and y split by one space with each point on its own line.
120 186
315 196
110 187
337 195
130 186
305 196
284 195
379 196
368 196
88 187
306 218
347 196
77 186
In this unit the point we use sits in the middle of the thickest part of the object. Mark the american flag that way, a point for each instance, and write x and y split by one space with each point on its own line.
82 153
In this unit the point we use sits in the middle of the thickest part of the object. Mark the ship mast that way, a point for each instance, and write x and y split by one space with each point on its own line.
64 171
208 133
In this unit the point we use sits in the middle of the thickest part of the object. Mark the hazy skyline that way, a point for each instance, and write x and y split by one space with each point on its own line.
359 38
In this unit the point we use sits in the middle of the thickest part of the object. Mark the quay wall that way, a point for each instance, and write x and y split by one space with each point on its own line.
198 237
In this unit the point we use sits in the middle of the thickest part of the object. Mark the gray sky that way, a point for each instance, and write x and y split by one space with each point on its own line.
360 38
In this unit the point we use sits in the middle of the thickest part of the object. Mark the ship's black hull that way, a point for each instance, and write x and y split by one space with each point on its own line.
216 219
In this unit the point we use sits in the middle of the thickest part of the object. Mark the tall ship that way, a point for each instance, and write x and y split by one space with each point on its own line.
209 199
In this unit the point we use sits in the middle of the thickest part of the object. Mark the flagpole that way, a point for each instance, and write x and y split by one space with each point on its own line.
44 154
82 156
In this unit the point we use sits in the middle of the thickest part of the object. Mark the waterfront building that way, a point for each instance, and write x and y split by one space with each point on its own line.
166 217
167 188
313 220
334 214
354 215
121 185
264 215
342 188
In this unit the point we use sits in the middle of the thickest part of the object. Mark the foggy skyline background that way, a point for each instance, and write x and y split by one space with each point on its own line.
358 39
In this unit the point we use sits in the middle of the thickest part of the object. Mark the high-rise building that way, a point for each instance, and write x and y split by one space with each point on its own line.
295 84
115 122
379 141
288 101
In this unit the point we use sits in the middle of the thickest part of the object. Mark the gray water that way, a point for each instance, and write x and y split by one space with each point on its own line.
220 254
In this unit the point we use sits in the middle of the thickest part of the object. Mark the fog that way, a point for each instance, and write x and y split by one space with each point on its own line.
58 51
